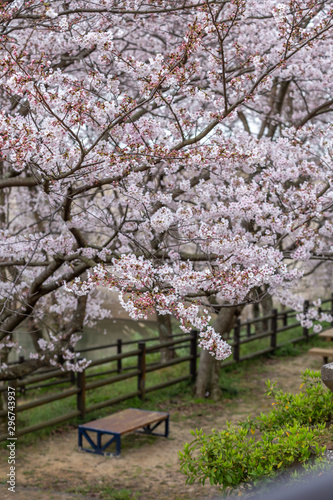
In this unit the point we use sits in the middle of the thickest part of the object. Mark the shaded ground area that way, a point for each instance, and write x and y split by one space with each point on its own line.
148 468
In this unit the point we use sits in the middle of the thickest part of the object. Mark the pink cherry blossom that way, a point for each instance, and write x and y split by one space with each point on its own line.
172 152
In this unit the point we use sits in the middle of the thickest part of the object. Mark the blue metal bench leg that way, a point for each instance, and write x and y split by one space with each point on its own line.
147 429
118 444
167 427
114 438
99 441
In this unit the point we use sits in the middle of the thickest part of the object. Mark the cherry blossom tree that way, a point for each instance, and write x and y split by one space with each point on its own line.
176 152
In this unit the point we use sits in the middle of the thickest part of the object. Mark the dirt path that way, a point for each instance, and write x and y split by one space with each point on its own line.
148 468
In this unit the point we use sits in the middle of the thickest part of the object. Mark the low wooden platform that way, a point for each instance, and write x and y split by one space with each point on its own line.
123 422
327 334
322 352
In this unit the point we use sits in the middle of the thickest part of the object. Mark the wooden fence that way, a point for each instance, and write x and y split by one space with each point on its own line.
139 370
81 383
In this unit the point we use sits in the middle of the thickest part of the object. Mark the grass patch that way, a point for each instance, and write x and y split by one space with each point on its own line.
104 491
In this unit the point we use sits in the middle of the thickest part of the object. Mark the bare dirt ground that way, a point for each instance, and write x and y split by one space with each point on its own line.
148 469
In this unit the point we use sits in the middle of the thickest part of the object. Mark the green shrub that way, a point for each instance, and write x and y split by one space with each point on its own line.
289 435
312 406
230 457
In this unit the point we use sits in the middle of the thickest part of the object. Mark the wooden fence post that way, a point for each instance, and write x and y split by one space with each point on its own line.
236 340
285 319
193 353
248 329
142 369
119 351
305 329
81 396
274 328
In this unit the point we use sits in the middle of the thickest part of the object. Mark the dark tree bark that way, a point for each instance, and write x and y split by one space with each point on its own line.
263 309
209 368
35 332
165 334
256 314
266 307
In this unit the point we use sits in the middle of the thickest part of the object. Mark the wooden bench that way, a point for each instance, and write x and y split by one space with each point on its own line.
327 334
117 425
322 352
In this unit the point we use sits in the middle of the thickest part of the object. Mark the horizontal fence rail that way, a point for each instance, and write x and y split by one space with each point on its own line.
143 362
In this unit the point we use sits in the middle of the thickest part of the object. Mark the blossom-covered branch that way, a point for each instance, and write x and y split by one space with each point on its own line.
178 152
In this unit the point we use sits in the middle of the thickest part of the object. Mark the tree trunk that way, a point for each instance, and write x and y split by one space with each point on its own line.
256 314
35 332
263 309
165 334
207 383
266 307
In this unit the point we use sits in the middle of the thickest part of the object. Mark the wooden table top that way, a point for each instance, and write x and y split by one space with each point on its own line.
126 421
319 351
327 334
